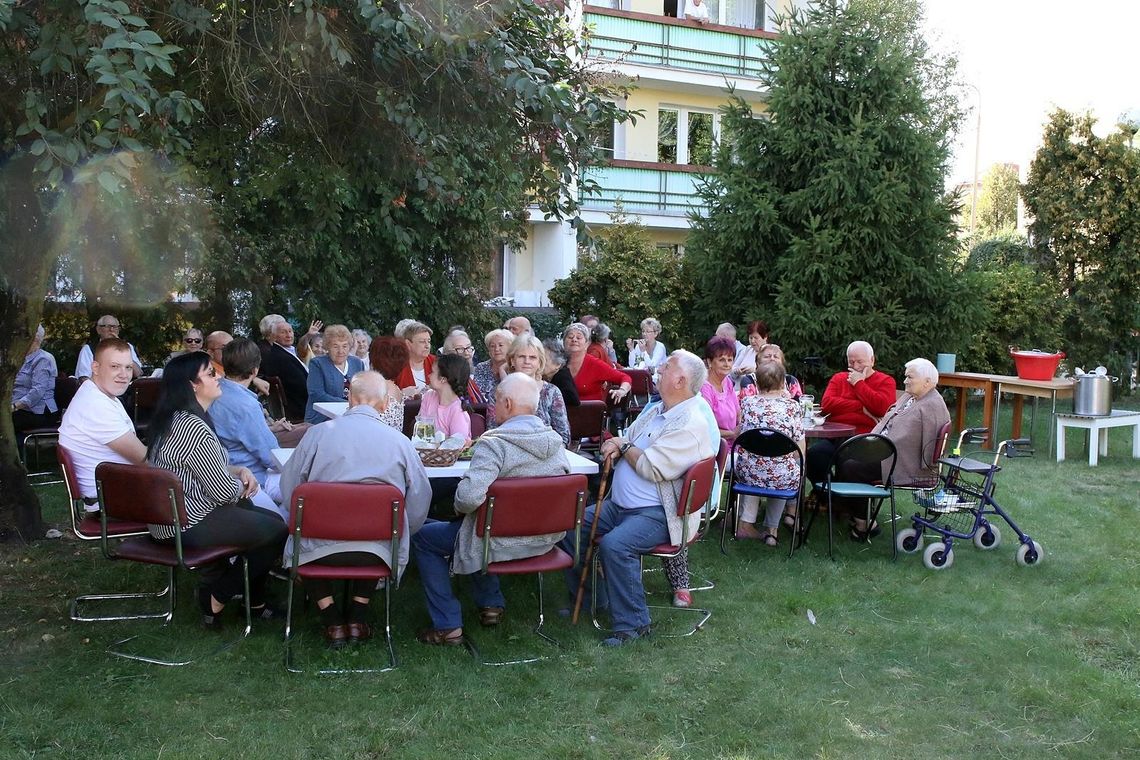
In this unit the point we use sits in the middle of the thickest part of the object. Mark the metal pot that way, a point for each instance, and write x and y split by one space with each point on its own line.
1093 395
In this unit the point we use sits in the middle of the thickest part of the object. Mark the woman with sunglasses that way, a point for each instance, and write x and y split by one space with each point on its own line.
192 340
219 498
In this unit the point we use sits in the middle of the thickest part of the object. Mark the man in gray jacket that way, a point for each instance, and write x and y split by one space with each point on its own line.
521 446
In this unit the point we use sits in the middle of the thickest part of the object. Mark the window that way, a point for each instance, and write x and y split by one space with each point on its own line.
604 137
745 14
687 136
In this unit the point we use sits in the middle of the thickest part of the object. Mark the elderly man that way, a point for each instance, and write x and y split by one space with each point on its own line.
859 396
107 326
518 325
522 446
728 330
357 448
95 427
650 463
280 360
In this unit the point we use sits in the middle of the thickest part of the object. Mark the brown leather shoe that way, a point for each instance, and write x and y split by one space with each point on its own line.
440 637
336 636
489 617
358 632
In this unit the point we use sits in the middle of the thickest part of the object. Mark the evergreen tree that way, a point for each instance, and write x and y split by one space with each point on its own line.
997 204
827 215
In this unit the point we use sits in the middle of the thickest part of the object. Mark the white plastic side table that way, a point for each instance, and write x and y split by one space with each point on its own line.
1098 432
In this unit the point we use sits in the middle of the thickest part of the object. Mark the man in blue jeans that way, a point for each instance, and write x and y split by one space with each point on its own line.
641 512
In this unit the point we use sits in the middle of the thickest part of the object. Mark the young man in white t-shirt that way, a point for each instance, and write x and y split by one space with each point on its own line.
95 427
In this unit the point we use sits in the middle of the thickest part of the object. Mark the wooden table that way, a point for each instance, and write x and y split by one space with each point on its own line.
967 381
1098 426
579 465
1035 389
829 430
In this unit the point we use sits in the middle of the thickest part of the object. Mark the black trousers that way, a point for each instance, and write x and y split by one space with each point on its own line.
260 533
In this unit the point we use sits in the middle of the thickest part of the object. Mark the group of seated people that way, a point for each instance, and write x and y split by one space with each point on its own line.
211 431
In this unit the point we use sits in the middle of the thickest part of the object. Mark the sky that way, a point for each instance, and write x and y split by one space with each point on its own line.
1027 57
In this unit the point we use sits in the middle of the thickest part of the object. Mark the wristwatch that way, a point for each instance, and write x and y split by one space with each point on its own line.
624 448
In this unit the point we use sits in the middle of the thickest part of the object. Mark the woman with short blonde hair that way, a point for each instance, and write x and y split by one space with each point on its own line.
528 356
329 375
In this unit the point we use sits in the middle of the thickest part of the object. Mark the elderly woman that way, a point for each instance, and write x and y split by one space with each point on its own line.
647 353
748 357
528 356
219 510
591 374
772 353
192 340
329 375
360 342
557 374
599 344
389 356
488 374
33 394
719 389
771 407
413 377
913 424
458 342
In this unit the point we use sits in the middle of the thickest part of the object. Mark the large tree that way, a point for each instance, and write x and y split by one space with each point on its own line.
351 159
827 215
997 203
1083 194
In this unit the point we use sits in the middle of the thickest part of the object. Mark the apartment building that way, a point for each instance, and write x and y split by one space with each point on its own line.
682 70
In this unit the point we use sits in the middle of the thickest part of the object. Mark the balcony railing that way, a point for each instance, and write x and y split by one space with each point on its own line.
639 38
643 189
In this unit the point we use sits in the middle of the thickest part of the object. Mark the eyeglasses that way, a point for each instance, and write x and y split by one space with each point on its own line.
113 327
463 350
211 371
191 340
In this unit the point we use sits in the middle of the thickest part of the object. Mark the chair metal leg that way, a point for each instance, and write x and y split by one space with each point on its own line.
170 593
290 663
114 650
538 630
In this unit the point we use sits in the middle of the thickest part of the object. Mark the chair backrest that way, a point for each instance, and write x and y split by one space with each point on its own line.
65 390
71 480
943 441
478 423
587 420
275 401
722 454
697 487
347 511
865 449
766 443
147 391
411 411
641 383
532 506
139 493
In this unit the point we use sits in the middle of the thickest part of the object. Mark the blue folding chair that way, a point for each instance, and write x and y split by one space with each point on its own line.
766 443
868 449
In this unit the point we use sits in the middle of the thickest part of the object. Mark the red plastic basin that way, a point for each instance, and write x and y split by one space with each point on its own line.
1036 365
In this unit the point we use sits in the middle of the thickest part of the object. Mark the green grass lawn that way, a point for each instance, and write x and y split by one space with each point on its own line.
985 659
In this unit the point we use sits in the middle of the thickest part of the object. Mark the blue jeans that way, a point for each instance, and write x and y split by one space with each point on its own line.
432 547
625 535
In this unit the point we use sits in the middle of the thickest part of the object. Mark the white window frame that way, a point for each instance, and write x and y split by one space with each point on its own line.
683 128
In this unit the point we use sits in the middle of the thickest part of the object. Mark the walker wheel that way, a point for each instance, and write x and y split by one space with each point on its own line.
988 537
1030 554
908 541
937 556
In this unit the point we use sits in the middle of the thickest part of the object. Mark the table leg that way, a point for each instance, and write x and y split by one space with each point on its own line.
1094 446
963 395
1136 442
1060 439
1054 417
1018 401
995 413
1103 441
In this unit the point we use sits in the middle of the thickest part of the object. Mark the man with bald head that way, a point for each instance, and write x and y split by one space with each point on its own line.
522 446
518 325
358 447
107 326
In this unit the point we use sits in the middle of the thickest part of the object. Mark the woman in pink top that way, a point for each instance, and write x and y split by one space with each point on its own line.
719 390
448 379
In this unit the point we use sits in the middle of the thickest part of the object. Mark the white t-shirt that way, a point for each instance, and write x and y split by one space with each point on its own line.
92 420
83 365
696 12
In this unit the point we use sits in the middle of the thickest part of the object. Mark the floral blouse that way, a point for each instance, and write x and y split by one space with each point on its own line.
780 414
551 410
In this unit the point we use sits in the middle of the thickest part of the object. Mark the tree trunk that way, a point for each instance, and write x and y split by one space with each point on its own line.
25 262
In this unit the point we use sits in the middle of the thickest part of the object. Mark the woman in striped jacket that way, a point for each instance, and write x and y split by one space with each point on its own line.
218 506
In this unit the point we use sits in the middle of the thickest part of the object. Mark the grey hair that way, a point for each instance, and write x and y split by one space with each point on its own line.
449 341
402 326
521 389
924 369
579 327
368 386
601 332
861 346
268 323
649 323
695 370
556 350
505 335
358 333
40 333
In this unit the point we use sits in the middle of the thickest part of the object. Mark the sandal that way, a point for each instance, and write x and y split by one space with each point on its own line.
489 617
865 535
770 540
440 637
789 519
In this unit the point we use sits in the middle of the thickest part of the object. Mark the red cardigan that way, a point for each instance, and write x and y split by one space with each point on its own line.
405 378
845 402
593 373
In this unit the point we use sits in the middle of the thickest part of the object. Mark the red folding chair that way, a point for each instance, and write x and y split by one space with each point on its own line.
694 494
640 390
587 423
151 495
146 391
517 507
345 512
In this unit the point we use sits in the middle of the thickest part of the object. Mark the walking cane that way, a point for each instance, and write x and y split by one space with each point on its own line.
590 544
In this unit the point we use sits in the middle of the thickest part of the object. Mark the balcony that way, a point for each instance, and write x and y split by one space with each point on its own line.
647 40
645 188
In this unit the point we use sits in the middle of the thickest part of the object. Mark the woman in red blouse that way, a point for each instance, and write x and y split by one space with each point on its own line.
589 373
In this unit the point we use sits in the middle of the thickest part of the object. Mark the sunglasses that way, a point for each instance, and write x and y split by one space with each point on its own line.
191 340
